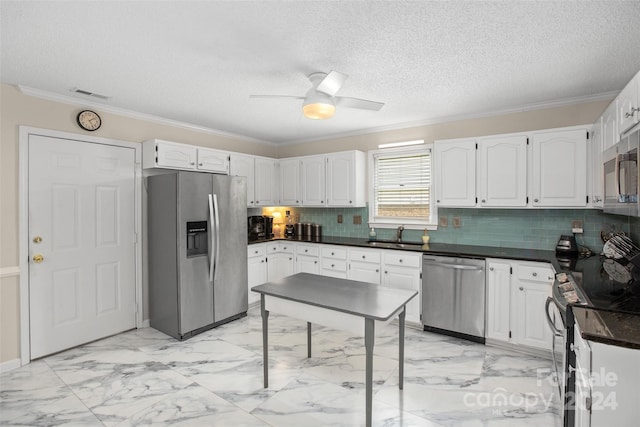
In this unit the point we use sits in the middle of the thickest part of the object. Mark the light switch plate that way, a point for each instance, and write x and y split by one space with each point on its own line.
576 226
339 218
357 219
443 221
457 223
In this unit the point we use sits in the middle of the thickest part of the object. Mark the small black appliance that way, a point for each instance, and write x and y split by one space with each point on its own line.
567 245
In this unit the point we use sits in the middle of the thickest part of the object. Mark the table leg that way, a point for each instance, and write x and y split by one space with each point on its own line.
265 341
309 339
401 346
368 344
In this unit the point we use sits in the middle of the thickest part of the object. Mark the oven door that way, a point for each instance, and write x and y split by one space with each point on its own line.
555 319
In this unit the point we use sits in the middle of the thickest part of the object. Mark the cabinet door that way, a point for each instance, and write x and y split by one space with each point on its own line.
628 108
455 173
559 168
530 290
175 156
266 182
596 171
213 161
610 135
240 165
279 265
290 182
498 300
345 179
307 264
405 278
313 181
364 272
257 275
502 171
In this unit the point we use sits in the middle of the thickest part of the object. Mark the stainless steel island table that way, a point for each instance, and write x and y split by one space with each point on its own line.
342 304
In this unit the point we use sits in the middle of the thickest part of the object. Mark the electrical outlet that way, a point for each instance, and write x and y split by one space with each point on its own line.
444 221
457 223
357 219
339 218
576 226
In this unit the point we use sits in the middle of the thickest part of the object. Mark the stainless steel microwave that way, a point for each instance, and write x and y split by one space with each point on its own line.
621 179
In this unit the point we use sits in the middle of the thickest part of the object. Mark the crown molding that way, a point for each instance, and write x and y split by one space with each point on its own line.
51 96
460 117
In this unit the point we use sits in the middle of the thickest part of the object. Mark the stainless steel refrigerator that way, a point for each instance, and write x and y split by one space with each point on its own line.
197 246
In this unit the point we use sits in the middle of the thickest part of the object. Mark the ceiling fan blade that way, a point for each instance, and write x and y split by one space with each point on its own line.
362 104
332 83
276 96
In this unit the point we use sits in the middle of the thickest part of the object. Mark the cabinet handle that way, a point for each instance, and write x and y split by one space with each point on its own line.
199 164
192 163
262 261
297 201
437 201
306 250
257 201
315 262
484 201
521 288
377 271
363 257
535 200
332 265
400 260
386 272
490 268
332 253
285 248
350 201
535 274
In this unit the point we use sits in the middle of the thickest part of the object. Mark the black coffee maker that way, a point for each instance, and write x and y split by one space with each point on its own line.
567 246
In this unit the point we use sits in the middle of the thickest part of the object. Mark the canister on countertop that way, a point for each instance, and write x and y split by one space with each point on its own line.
307 230
316 232
298 229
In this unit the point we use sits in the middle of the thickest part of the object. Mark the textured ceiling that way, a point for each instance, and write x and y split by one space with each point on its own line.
198 62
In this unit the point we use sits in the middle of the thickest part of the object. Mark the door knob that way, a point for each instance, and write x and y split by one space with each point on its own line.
37 239
37 258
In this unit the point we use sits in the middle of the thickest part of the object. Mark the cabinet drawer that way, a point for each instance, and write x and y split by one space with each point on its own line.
273 248
334 264
403 259
307 250
364 255
256 250
334 252
535 273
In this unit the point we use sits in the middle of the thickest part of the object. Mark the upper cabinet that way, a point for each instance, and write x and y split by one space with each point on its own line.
345 179
502 171
596 173
267 176
610 133
312 172
290 182
171 155
455 173
559 168
628 105
243 165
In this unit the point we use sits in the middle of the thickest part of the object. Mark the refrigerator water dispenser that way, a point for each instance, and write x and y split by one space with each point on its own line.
197 238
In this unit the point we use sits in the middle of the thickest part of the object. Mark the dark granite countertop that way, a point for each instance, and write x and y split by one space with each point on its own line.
607 326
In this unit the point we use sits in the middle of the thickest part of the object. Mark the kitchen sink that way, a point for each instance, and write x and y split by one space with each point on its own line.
392 244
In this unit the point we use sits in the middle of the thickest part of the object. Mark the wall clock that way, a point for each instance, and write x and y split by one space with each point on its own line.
89 120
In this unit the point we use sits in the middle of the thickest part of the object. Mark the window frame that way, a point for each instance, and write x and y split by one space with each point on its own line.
430 223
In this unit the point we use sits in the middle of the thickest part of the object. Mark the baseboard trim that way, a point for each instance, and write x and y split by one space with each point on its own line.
10 365
145 324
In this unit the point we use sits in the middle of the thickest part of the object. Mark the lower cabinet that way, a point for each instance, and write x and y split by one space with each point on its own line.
307 258
403 270
516 296
364 265
257 268
333 261
280 261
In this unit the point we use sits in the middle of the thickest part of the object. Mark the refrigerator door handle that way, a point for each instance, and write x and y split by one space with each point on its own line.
216 224
211 245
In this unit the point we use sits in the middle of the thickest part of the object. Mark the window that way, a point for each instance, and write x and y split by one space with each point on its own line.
400 188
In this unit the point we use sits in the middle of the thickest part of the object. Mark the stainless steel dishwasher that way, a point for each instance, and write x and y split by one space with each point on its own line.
453 296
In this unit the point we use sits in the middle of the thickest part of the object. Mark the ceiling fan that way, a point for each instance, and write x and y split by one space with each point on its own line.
320 101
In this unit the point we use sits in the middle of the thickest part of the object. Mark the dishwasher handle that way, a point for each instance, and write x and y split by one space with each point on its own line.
453 266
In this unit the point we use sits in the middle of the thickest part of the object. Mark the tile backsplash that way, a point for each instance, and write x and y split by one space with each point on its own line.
515 228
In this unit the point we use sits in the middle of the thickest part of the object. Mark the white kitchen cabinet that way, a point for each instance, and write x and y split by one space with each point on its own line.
346 179
171 155
244 165
402 270
364 265
596 172
266 181
290 192
516 296
502 171
257 268
559 168
280 262
333 261
307 258
498 300
610 134
628 105
607 379
312 173
455 173
210 160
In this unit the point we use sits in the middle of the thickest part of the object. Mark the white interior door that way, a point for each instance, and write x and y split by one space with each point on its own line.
81 207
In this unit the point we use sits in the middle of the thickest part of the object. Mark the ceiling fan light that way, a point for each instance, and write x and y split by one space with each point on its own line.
319 110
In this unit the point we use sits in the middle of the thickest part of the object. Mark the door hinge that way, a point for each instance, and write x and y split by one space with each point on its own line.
587 199
510 270
509 334
527 141
421 275
587 134
476 145
527 199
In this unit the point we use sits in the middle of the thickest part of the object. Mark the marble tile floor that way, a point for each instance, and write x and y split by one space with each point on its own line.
144 377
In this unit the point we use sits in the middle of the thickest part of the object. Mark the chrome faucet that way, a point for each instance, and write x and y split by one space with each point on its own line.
399 234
